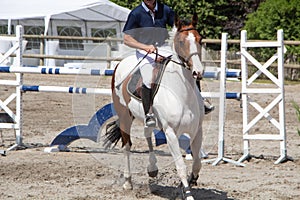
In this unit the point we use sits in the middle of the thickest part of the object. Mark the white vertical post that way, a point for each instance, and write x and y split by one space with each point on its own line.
244 68
280 61
19 80
222 105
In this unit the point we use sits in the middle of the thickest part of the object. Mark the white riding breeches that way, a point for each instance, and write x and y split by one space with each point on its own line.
148 63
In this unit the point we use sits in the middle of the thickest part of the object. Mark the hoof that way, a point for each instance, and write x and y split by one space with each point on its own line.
193 180
152 171
128 184
190 198
153 174
186 193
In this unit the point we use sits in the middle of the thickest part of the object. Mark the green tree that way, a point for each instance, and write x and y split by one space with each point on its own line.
215 16
273 15
130 4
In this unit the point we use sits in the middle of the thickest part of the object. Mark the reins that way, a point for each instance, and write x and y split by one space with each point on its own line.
183 62
118 86
169 58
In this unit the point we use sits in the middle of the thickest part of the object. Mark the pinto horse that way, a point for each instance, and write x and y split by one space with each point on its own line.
178 105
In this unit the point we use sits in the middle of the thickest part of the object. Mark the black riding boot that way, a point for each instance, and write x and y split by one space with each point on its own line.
147 102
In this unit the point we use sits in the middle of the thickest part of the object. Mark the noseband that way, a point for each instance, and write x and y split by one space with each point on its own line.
186 61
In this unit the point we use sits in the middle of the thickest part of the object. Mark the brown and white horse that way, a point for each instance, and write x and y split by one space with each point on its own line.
178 105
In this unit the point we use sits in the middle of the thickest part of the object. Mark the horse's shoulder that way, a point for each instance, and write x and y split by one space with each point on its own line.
125 66
129 62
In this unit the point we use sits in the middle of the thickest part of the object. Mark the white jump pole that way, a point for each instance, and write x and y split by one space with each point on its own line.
62 89
56 70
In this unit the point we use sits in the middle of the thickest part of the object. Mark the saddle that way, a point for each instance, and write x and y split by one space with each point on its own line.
134 86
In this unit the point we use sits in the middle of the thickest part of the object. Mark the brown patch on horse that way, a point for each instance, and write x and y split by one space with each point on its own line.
125 116
190 25
126 96
184 27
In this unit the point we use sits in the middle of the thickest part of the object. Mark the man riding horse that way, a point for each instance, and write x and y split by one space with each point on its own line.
145 30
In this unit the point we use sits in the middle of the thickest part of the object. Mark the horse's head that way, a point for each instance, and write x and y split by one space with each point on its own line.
187 43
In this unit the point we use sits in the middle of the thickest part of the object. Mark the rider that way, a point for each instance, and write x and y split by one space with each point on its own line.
145 30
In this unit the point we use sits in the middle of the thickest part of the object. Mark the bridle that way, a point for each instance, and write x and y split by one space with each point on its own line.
185 61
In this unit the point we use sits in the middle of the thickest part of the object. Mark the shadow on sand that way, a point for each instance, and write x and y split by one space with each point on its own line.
174 193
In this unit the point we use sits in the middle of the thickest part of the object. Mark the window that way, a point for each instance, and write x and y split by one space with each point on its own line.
103 33
33 43
3 30
70 44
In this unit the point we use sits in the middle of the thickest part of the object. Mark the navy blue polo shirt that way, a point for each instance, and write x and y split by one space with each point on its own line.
141 26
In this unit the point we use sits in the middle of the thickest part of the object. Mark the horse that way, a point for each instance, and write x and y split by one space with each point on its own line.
178 106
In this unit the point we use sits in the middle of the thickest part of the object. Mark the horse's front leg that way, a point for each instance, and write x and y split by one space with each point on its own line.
196 148
152 168
173 145
127 173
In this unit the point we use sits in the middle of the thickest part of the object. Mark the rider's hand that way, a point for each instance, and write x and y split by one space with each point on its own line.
150 48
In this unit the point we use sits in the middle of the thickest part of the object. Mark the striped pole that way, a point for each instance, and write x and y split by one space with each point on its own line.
57 70
93 72
107 92
228 95
73 90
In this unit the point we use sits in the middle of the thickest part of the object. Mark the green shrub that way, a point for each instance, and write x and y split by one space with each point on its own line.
297 108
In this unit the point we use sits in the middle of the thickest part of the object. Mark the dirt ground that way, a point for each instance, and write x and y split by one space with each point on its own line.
86 172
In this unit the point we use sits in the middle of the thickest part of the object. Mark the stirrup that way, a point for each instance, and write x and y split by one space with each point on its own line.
150 120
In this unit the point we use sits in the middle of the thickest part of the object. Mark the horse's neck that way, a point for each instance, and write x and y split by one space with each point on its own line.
178 78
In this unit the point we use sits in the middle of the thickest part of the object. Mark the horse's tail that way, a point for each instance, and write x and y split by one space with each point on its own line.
112 135
113 131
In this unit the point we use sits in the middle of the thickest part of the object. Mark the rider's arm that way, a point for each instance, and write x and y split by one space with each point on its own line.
133 43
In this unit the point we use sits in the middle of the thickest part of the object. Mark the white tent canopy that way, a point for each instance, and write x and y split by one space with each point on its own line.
80 11
88 18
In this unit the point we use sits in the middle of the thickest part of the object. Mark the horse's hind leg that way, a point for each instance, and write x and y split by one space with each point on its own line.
152 167
127 173
125 124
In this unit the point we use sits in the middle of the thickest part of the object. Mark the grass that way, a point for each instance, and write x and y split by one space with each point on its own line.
297 108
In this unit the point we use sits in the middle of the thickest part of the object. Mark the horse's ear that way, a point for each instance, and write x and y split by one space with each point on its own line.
195 20
177 22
